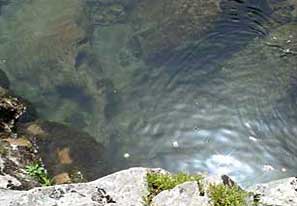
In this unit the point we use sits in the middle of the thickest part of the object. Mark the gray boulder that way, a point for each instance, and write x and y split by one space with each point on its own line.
280 192
186 194
122 189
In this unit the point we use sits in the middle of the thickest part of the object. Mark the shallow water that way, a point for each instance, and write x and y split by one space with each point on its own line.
219 99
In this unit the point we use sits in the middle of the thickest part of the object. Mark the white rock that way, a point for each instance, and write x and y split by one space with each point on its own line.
281 192
124 188
186 194
7 179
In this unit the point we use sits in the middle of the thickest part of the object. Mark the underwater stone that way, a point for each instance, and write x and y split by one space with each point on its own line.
53 40
4 81
67 152
165 25
284 11
105 15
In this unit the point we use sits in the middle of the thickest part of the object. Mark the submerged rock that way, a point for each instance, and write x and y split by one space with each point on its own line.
105 14
69 155
283 11
4 81
266 68
49 61
165 25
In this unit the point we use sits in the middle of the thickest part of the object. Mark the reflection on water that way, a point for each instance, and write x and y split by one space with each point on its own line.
186 85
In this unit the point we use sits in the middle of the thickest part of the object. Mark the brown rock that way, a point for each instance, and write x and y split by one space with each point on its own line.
35 129
67 150
21 142
64 155
62 178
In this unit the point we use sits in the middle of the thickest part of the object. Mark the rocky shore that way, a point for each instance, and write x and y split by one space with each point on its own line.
66 154
98 78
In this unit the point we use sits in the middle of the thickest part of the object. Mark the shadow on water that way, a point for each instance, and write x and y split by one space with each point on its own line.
240 22
3 3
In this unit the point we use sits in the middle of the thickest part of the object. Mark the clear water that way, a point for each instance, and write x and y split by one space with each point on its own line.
185 85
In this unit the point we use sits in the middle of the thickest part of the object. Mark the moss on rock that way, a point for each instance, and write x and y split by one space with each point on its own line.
158 182
222 195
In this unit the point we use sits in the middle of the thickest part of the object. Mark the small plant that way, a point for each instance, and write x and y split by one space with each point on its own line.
223 195
3 150
158 182
37 171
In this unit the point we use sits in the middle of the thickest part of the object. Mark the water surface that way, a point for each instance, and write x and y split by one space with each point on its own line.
185 85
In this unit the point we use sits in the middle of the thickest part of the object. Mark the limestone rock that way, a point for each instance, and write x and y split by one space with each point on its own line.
128 187
7 180
16 150
124 188
186 194
280 192
11 108
15 155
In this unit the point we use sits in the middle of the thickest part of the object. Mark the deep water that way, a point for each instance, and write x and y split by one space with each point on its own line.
186 85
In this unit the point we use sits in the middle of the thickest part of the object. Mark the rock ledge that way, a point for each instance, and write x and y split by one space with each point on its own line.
128 187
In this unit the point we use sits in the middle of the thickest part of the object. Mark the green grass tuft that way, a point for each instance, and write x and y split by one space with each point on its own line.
158 182
3 150
223 195
37 171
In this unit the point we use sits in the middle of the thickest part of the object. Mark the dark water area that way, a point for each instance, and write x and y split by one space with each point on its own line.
239 22
186 85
